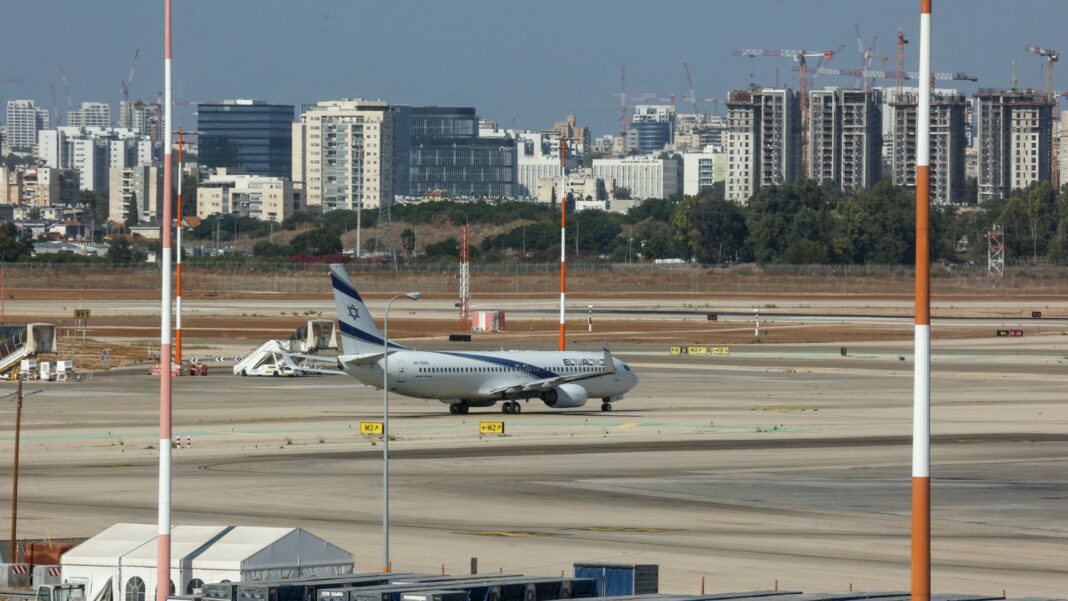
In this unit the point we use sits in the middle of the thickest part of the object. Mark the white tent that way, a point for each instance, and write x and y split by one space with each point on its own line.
119 564
95 562
186 542
249 553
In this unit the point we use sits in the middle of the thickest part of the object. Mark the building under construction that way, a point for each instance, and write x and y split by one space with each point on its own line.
1015 140
845 137
948 141
763 140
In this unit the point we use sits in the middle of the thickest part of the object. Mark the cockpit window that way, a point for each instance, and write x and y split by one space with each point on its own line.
626 367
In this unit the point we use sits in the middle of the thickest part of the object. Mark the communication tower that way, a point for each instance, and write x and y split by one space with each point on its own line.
465 279
995 255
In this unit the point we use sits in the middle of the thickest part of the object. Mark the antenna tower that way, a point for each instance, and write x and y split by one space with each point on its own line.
995 255
465 279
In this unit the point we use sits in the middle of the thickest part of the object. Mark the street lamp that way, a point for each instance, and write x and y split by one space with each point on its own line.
385 428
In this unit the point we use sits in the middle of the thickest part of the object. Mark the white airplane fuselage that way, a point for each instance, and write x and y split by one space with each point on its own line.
453 376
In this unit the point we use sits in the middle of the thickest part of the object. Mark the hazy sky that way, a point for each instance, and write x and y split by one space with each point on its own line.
524 62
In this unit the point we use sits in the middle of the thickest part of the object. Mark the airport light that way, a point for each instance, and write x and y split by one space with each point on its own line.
386 567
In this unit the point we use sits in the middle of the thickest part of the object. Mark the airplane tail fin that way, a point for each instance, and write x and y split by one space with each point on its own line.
359 334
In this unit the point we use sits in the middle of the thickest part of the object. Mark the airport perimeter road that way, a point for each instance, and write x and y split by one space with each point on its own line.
785 463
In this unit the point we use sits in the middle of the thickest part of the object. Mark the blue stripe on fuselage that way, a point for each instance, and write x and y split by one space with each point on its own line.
344 288
349 330
533 370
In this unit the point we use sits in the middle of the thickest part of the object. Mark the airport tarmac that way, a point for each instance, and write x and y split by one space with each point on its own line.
788 463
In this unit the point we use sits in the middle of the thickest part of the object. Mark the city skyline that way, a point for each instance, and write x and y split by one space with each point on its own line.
526 66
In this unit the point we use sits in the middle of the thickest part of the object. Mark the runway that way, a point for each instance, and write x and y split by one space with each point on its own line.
778 462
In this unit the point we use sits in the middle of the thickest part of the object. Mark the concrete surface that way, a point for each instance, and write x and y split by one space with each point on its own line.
777 462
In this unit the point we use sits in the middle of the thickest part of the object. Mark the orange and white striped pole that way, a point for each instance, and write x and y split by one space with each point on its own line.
921 395
163 540
563 241
178 261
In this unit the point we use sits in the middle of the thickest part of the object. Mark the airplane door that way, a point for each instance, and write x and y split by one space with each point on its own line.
402 372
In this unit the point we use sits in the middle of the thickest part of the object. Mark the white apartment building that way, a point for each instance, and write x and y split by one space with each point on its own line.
145 182
343 154
255 196
947 145
90 114
701 170
1015 141
763 140
24 120
93 151
643 176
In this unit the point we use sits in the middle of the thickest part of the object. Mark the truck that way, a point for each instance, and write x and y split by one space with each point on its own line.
66 591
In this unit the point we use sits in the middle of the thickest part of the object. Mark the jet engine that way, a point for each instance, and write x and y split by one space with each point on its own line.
565 396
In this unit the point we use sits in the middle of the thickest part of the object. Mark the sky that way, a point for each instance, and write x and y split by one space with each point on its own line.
522 63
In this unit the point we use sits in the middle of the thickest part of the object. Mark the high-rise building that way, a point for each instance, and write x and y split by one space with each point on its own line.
652 127
92 151
701 170
1015 141
763 140
643 176
249 135
90 114
948 143
446 156
1062 157
24 120
343 154
255 196
143 183
845 137
579 137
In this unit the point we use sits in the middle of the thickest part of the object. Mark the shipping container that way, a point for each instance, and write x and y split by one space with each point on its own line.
616 579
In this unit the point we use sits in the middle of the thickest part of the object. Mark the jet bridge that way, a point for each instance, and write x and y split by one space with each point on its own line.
270 358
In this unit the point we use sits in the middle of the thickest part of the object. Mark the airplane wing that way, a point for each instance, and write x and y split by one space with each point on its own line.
545 384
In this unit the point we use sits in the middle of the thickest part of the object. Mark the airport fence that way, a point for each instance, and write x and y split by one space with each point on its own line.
543 278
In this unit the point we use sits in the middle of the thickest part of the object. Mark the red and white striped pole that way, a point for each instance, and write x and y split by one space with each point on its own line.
563 241
178 261
921 395
163 549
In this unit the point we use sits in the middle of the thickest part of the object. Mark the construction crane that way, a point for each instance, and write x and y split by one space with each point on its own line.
898 75
866 54
901 41
66 86
1051 57
689 85
800 57
124 88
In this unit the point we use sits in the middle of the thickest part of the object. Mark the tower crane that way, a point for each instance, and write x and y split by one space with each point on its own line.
901 41
124 88
800 57
898 75
866 54
689 85
1051 57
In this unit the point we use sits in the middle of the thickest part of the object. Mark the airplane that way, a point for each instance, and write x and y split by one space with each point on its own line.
463 379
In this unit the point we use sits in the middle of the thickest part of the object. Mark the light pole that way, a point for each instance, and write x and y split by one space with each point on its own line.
385 428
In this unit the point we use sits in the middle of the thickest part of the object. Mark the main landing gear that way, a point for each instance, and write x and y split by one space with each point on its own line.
511 407
606 406
459 408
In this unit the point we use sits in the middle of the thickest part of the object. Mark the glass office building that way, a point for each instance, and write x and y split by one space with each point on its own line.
446 155
249 135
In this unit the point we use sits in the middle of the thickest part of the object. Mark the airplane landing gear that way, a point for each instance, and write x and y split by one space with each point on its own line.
511 407
459 408
606 406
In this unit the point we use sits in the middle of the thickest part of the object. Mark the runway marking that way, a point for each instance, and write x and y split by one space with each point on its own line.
502 533
625 529
626 425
